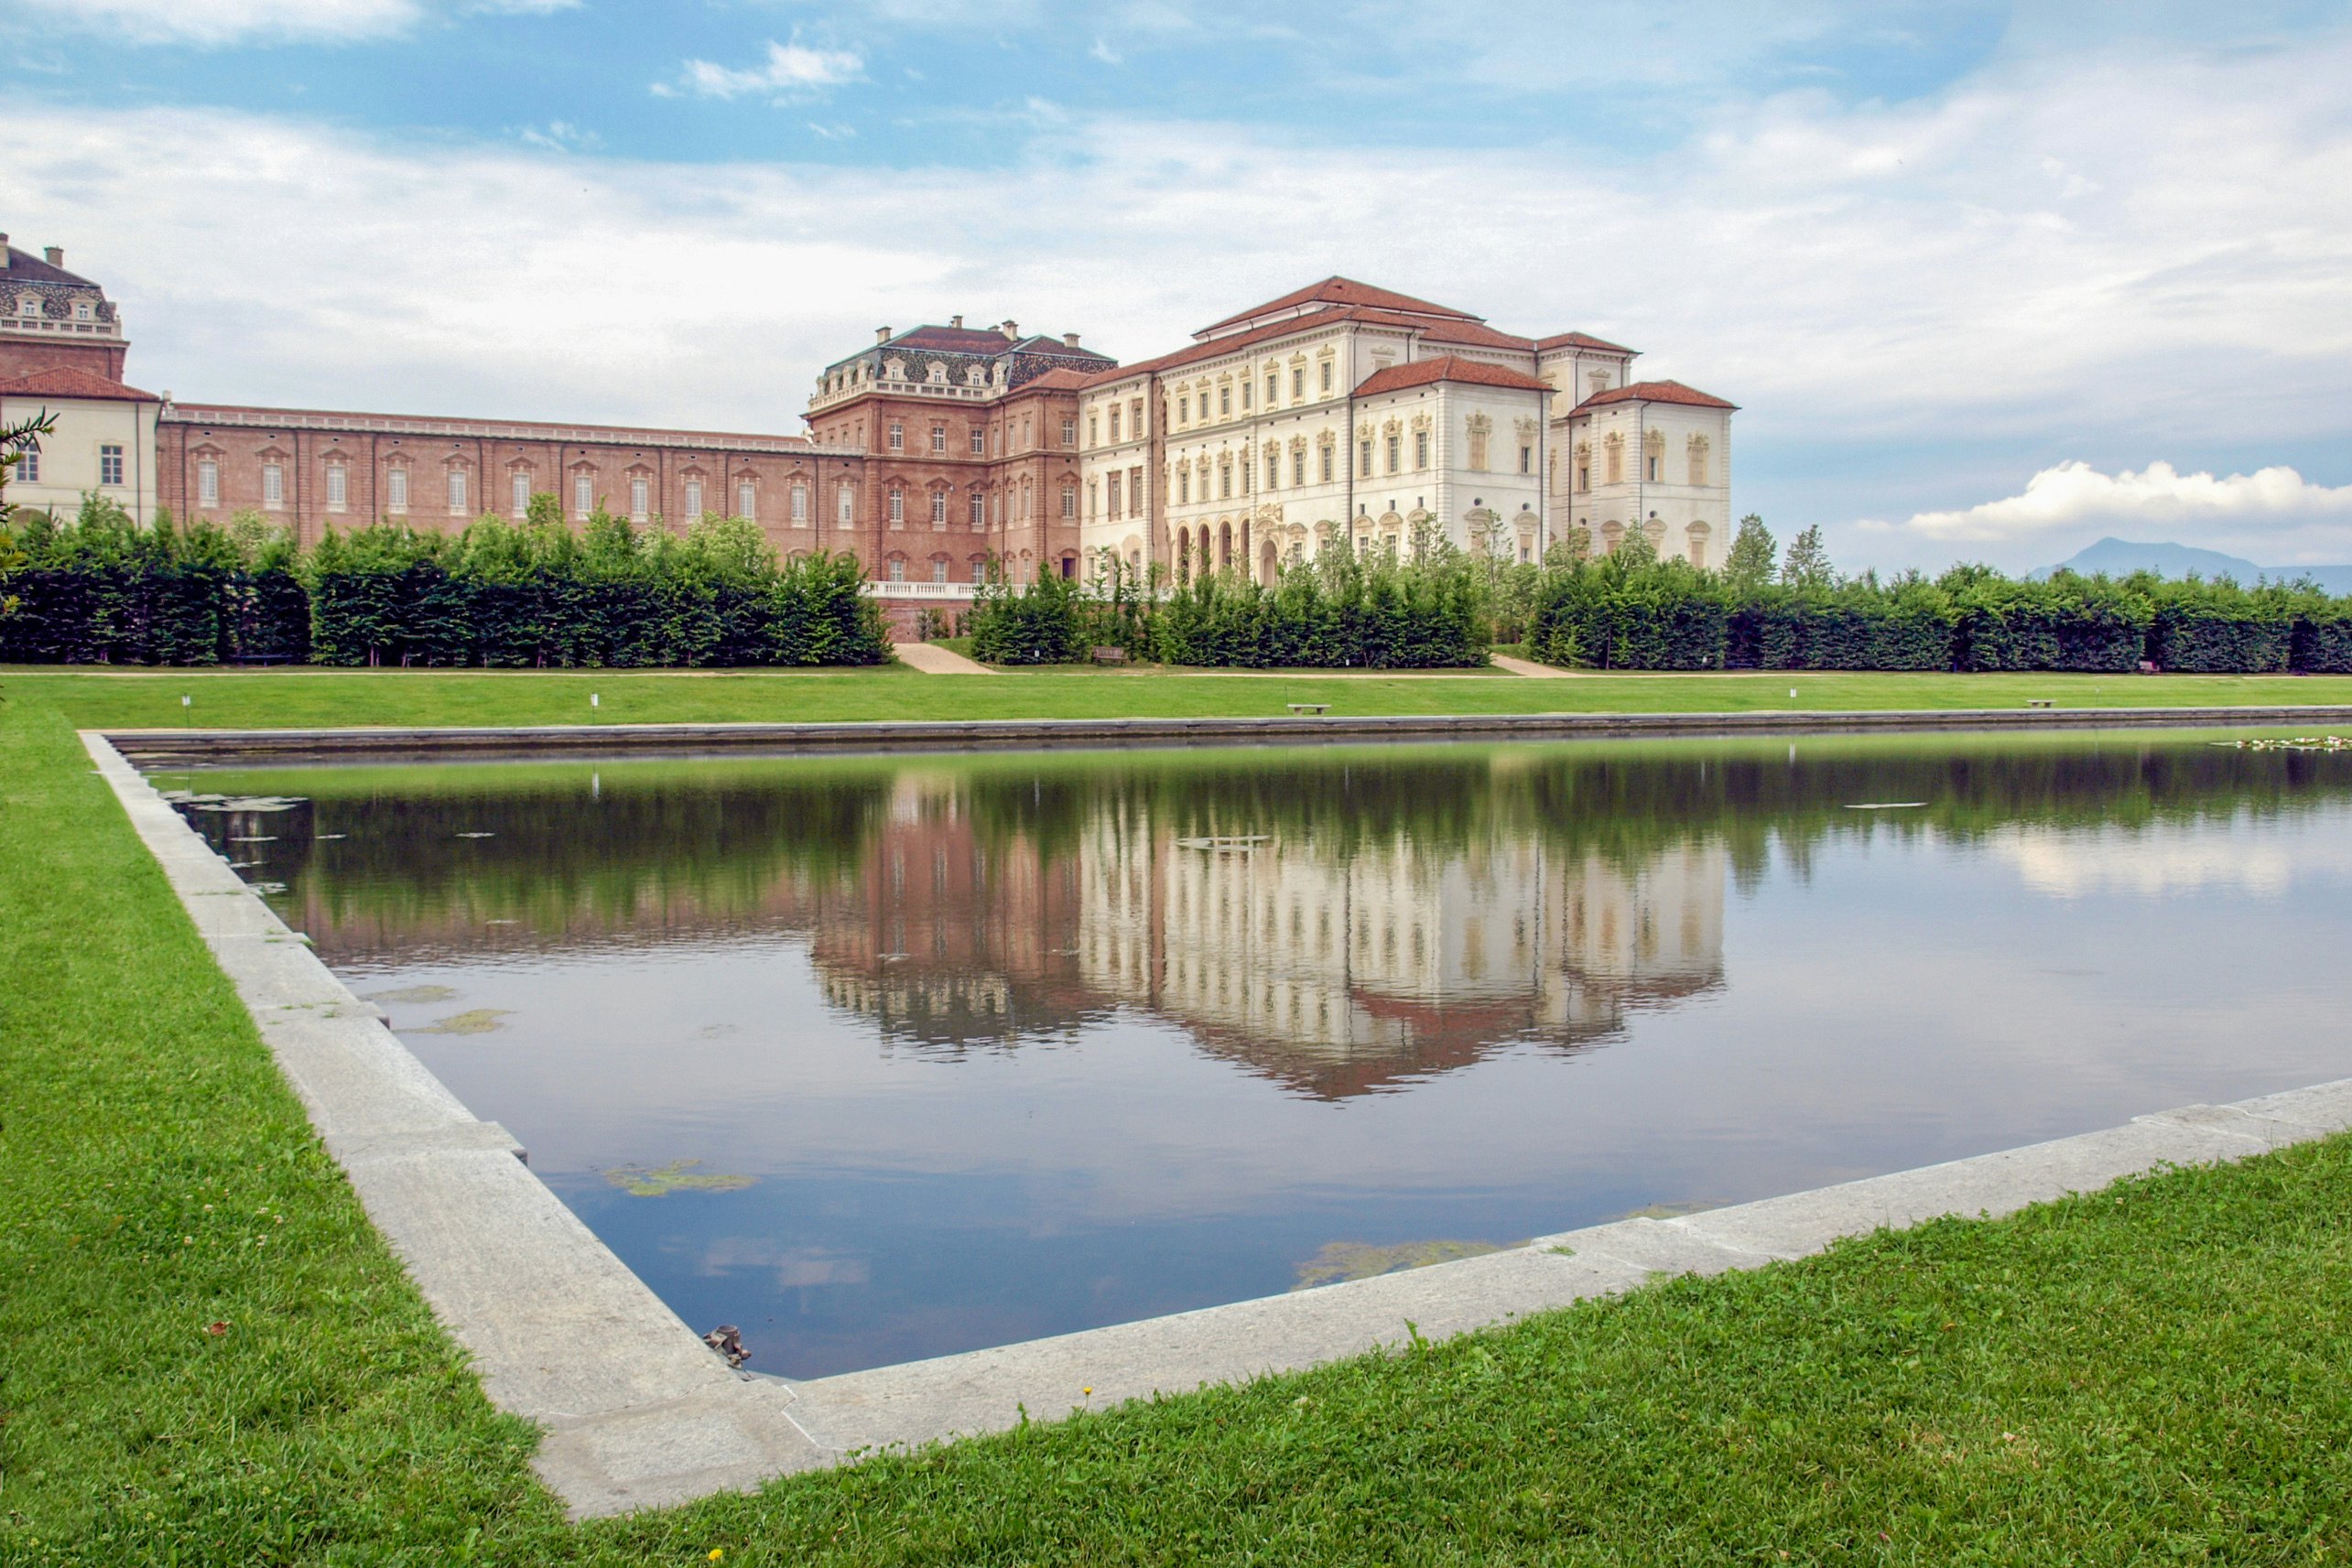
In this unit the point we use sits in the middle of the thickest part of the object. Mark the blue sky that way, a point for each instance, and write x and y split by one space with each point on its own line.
1986 283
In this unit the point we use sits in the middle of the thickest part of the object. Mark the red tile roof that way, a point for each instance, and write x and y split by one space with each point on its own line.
1344 291
25 267
1448 367
952 339
1655 392
1469 332
1216 348
1582 341
67 380
1062 378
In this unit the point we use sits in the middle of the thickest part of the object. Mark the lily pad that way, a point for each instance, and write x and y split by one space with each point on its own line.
478 1021
678 1176
1368 1260
419 995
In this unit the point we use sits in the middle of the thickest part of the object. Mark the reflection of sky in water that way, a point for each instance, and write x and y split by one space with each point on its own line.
1485 1027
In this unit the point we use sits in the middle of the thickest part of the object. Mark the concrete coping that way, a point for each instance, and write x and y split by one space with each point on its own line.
637 1412
185 746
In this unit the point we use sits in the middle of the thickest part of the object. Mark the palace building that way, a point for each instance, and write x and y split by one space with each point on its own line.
1340 412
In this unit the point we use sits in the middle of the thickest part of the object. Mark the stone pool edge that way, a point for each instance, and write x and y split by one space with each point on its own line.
637 1413
254 746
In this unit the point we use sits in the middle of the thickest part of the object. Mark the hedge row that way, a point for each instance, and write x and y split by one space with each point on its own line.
1340 613
1628 614
501 594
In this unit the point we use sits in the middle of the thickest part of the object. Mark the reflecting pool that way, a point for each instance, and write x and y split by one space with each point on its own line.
889 1057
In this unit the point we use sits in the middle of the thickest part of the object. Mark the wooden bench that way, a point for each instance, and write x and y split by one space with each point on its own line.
1110 655
2041 702
1310 706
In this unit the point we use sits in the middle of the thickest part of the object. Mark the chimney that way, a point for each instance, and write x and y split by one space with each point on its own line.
1012 329
56 254
955 321
882 334
1070 340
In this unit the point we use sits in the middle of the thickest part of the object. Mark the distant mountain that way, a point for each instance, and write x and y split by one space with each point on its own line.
2118 557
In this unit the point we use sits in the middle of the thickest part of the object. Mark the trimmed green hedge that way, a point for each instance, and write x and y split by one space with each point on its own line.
1341 612
103 589
1628 614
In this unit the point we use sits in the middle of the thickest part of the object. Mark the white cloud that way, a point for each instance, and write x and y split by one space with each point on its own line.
214 22
2157 501
560 136
791 71
1867 279
1105 53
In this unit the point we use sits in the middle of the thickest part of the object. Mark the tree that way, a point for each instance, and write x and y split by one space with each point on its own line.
15 440
1807 564
1749 566
1634 548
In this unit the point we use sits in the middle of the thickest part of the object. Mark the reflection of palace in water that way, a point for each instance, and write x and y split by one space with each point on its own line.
957 918
1334 970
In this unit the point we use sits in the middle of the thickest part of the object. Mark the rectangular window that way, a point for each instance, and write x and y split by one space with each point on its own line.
1184 487
1184 410
1094 430
1135 417
747 500
979 442
1298 465
939 439
1421 448
28 464
457 492
521 507
938 509
1069 501
583 495
845 506
980 568
898 437
338 487
1114 427
1526 460
1273 469
1364 461
940 569
800 507
208 483
694 499
1134 493
1225 482
1224 403
1245 396
395 491
1069 439
1326 378
1327 465
1298 383
273 480
641 498
1652 470
977 512
1273 387
1395 452
897 508
898 568
1583 476
1114 491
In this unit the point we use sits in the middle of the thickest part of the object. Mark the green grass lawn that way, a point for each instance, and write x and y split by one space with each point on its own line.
281 698
210 1357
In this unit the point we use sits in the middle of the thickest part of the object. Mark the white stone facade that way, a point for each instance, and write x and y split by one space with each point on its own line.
1344 412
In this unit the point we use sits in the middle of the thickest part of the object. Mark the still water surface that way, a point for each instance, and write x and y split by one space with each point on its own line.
892 1057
